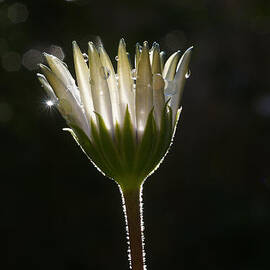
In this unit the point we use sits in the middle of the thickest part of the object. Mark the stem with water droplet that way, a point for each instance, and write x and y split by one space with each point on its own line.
132 206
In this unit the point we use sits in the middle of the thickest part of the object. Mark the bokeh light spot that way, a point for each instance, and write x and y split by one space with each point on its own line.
11 61
31 59
18 13
57 51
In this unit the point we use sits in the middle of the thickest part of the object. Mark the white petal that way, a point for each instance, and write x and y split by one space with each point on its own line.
48 89
68 105
156 65
170 66
138 52
61 71
151 53
113 88
158 97
126 93
144 90
182 70
99 87
162 60
83 77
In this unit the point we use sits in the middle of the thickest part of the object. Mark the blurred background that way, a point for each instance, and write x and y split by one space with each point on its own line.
207 207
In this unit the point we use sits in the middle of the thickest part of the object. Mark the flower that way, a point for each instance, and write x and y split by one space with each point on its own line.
125 121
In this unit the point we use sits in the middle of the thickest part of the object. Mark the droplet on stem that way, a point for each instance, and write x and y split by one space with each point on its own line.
134 74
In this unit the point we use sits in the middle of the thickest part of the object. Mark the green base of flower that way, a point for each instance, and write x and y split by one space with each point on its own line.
123 157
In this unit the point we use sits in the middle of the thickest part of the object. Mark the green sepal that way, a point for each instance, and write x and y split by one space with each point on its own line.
168 140
128 142
162 141
108 147
123 157
98 144
146 147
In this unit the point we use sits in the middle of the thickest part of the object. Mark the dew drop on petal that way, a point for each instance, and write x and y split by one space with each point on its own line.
104 72
91 81
65 64
116 76
85 57
116 58
187 75
134 74
49 103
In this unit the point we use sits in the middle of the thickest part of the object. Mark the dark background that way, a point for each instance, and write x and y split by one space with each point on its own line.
207 207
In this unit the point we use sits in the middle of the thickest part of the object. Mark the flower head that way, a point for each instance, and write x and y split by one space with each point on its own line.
123 121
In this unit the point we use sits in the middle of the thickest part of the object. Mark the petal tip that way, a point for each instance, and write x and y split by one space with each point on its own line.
155 46
122 42
189 49
145 44
42 66
74 43
91 47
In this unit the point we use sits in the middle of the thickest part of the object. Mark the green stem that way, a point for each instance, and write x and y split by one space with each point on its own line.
132 206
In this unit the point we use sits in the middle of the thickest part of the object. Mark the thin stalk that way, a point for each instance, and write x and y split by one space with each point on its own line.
132 206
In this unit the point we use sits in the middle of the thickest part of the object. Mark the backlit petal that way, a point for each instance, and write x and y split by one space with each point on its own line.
83 78
158 97
180 78
126 92
144 90
113 88
68 106
99 87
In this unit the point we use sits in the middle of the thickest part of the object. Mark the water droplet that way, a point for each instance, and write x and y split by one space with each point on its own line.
91 81
49 103
105 73
116 58
116 76
85 57
65 64
134 74
145 44
188 74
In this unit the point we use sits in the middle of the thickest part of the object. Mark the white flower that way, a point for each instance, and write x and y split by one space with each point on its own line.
123 121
